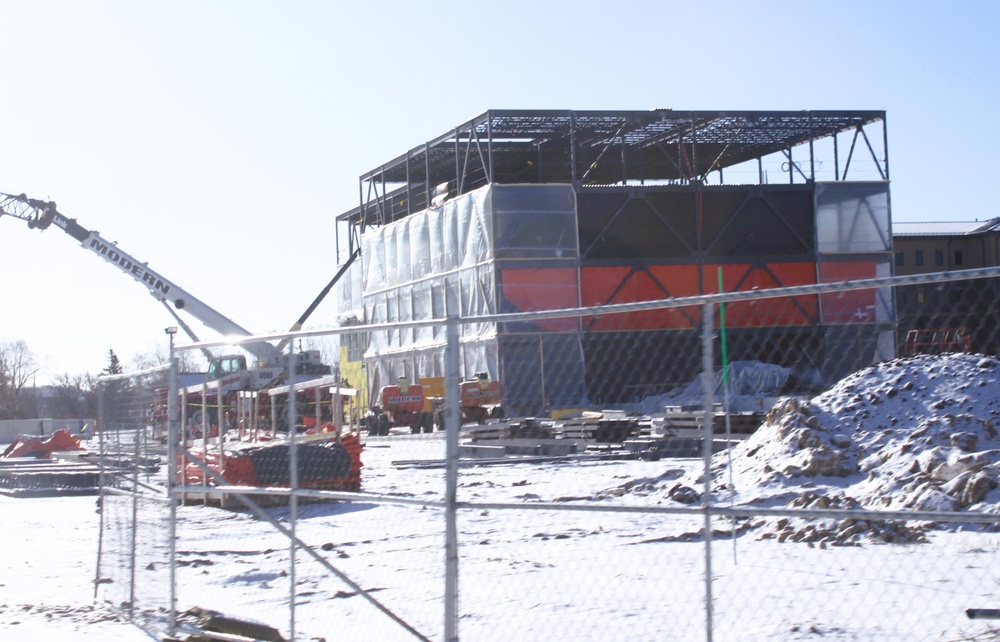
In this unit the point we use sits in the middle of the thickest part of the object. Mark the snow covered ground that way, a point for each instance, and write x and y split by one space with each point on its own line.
913 434
47 573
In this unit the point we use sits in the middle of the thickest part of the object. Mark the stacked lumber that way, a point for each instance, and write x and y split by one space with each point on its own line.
31 477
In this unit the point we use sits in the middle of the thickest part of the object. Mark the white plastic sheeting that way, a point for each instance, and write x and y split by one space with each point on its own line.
430 265
852 217
853 222
443 262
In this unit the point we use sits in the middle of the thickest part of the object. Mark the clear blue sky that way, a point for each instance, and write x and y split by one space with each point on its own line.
218 140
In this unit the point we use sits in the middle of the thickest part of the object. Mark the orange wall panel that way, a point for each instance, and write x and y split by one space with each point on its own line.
857 306
742 277
619 284
534 289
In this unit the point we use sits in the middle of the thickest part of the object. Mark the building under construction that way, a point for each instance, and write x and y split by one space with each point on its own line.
523 210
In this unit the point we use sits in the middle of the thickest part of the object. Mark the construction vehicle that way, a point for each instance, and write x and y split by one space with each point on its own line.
401 405
418 406
479 399
271 361
336 464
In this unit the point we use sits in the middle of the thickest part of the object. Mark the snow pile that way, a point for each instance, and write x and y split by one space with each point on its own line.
915 433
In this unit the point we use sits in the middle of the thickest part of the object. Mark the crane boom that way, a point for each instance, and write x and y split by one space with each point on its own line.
41 214
319 299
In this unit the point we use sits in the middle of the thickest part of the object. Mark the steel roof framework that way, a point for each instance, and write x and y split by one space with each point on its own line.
609 148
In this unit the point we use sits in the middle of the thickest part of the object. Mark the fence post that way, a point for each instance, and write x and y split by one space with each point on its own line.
708 418
172 464
134 535
102 481
293 482
452 424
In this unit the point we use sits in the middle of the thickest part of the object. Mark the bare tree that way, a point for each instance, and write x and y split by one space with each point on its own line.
73 397
18 365
158 355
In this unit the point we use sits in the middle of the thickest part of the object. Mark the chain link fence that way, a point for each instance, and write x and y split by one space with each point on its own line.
134 562
764 464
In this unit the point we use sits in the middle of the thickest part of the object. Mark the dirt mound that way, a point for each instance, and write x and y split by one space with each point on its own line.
916 433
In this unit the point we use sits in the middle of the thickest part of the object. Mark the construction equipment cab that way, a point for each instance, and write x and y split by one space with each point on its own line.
219 368
228 367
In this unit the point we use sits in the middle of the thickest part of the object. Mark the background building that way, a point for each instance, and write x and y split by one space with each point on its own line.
926 247
532 210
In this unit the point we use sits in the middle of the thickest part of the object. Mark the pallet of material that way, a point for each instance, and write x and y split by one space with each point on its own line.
602 430
46 478
576 430
527 428
488 432
742 423
115 460
655 448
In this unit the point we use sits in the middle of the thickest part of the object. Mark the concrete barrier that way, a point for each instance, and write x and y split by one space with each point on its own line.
11 429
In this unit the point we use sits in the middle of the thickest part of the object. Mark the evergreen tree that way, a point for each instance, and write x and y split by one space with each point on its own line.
113 411
114 364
